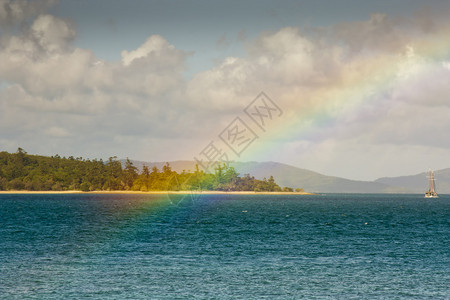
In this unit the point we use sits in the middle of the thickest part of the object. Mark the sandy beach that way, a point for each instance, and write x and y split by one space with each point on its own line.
160 192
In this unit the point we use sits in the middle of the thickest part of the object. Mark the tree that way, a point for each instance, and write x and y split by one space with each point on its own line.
32 172
3 183
155 170
167 170
130 174
195 179
145 171
145 177
114 173
21 152
84 187
19 162
219 178
230 179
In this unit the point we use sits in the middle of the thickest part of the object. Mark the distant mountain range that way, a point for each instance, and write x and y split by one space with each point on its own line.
418 183
286 175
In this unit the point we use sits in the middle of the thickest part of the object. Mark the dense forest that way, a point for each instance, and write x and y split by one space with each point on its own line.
21 171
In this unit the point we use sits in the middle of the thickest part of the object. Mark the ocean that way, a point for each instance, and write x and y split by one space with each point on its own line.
132 246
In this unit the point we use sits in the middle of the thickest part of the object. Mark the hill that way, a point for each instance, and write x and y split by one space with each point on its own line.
418 183
291 176
286 175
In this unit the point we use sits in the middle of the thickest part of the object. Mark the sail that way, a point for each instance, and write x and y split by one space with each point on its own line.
431 192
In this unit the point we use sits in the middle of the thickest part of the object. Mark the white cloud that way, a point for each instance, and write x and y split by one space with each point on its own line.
377 86
58 132
446 64
154 49
362 87
52 34
53 90
14 12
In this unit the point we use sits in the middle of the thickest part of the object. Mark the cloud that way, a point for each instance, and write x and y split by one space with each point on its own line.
369 84
52 34
43 63
285 63
42 59
52 89
14 12
379 33
376 84
353 159
57 132
155 49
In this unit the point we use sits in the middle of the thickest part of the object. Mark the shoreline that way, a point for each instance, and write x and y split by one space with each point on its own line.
160 192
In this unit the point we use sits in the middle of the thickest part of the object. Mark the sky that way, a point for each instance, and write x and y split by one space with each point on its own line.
356 89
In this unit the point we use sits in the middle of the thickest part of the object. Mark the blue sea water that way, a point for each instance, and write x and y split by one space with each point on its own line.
116 246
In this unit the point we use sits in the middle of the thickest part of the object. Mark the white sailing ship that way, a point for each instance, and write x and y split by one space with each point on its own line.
431 192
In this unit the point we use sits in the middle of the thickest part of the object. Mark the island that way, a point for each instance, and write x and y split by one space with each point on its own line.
22 172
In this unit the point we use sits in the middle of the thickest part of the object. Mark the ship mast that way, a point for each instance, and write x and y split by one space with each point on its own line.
433 184
430 181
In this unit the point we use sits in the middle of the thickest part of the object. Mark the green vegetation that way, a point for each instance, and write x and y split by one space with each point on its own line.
21 171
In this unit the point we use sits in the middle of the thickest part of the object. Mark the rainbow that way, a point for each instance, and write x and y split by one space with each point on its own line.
349 94
362 84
